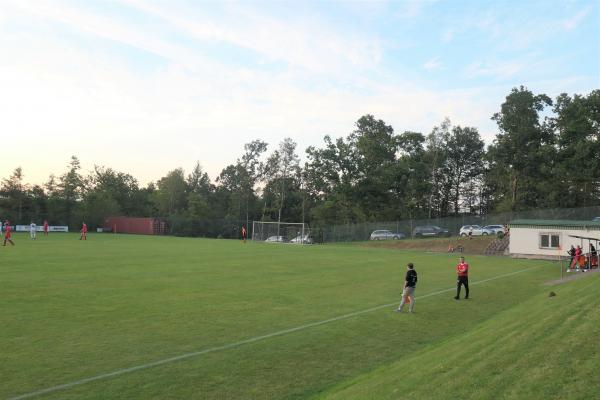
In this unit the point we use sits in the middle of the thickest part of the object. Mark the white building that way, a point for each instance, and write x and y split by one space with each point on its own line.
548 239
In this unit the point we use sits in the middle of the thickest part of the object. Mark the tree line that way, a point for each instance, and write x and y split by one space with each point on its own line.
546 154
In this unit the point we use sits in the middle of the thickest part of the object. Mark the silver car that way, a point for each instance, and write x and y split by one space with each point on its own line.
386 235
276 239
474 230
299 239
497 229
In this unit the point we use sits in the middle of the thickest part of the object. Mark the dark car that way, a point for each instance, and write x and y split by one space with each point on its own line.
430 231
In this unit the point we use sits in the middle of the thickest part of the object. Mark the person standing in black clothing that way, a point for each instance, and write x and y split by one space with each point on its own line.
408 293
571 254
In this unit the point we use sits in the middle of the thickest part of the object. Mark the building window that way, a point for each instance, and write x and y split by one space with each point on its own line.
549 240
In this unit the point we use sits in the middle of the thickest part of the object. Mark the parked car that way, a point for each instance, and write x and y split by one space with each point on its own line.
299 239
475 230
386 235
430 231
280 239
497 229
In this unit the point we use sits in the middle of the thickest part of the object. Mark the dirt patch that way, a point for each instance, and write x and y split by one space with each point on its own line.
571 277
476 245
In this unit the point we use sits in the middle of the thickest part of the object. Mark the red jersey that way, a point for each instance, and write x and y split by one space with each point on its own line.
462 269
45 226
84 228
243 231
7 233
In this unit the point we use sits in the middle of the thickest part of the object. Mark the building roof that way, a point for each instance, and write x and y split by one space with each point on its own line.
585 237
556 223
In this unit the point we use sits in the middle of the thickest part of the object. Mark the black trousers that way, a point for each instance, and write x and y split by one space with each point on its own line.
462 280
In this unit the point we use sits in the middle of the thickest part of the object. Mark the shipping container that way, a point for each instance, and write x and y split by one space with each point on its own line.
140 226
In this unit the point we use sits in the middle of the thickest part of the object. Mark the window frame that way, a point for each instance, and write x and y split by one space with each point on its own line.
549 235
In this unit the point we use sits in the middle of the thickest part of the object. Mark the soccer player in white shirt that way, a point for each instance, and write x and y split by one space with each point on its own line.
32 230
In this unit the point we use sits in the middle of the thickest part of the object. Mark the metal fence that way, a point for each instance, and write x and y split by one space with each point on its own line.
362 231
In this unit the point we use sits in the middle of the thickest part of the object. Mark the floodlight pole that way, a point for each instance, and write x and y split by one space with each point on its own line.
301 190
560 261
278 223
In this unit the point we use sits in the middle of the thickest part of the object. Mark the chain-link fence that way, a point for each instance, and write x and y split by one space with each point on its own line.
229 228
362 231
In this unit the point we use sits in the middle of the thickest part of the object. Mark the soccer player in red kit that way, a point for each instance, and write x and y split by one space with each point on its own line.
83 232
7 234
244 233
45 228
462 271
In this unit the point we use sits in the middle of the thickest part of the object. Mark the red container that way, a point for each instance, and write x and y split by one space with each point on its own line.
140 226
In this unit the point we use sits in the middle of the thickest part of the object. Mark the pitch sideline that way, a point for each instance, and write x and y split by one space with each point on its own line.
240 343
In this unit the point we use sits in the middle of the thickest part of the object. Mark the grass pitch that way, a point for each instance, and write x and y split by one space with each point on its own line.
544 348
72 310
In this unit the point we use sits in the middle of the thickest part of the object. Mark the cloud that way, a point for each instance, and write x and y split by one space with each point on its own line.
448 35
433 64
73 97
495 69
410 9
299 42
574 21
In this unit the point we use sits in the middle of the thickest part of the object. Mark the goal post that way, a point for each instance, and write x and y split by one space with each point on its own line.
281 232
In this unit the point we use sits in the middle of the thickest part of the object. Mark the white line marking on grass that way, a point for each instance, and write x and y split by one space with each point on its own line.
240 343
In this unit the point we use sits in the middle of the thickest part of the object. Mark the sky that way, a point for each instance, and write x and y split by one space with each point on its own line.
144 87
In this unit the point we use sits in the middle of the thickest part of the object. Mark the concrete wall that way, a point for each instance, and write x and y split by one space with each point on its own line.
526 241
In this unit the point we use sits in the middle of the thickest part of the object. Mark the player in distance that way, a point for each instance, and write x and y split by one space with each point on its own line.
7 234
33 230
83 232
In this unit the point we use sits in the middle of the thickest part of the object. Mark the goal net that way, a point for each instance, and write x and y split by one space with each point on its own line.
281 232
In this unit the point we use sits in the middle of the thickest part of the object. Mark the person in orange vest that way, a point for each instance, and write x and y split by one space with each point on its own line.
244 233
83 232
462 272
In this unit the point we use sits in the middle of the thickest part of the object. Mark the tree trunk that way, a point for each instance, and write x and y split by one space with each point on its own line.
513 206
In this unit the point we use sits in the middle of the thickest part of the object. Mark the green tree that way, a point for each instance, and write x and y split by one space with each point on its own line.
521 149
14 195
436 155
170 196
281 172
576 179
376 147
70 190
413 175
199 191
464 162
